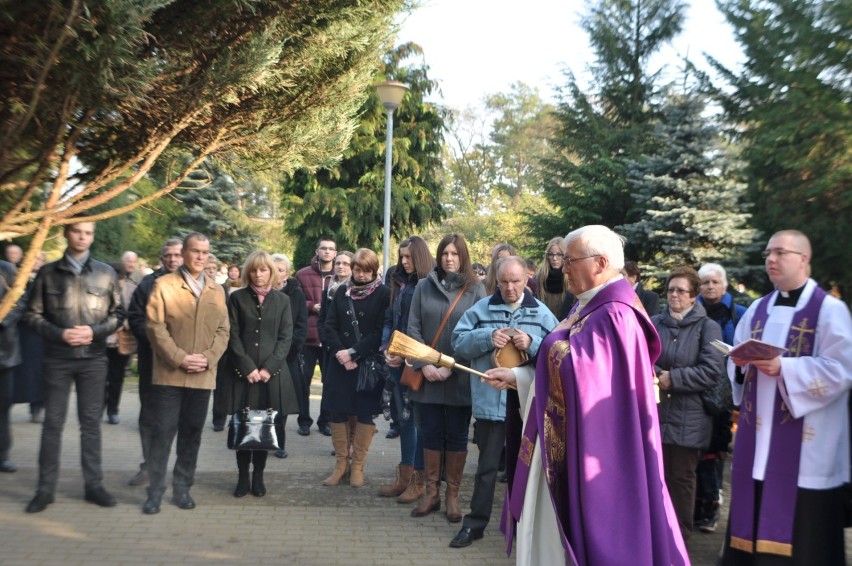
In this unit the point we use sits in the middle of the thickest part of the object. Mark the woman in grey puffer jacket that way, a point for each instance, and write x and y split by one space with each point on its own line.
688 365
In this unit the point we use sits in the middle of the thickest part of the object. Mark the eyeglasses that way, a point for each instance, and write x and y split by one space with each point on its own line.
557 254
478 272
676 291
780 252
326 249
569 261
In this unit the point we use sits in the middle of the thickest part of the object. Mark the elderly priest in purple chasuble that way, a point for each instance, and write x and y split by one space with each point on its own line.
589 486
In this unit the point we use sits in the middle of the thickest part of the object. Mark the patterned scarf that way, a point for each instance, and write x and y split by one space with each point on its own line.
358 292
261 292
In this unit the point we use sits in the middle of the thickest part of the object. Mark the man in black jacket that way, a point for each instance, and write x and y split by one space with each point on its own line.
74 306
170 260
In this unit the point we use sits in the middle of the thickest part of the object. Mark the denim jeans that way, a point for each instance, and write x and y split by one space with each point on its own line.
177 411
444 427
89 377
411 453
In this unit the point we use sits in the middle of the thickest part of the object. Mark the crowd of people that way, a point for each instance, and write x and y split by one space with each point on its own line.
609 417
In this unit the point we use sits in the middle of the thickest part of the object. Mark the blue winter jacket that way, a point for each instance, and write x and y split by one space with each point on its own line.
472 341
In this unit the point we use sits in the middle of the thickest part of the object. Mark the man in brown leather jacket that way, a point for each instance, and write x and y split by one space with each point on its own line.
74 306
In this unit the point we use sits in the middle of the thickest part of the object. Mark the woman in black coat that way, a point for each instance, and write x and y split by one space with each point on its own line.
261 334
291 287
365 299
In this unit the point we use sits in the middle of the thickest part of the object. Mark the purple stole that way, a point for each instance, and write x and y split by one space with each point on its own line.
780 484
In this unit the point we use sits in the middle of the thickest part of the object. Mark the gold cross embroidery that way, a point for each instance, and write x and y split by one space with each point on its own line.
817 388
800 344
756 333
788 417
808 434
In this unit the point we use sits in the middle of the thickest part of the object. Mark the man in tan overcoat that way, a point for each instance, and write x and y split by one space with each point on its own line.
188 329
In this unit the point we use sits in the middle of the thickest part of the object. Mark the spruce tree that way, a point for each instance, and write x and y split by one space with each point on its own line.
690 205
599 132
791 107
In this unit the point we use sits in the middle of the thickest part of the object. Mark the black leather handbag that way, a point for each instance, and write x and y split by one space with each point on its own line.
255 429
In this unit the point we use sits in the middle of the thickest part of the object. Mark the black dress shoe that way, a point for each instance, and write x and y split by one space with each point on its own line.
325 430
465 537
112 419
304 431
184 501
151 505
100 496
8 467
40 502
217 427
141 478
281 454
392 433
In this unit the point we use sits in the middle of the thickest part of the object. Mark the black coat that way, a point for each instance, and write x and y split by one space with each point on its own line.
260 338
339 394
299 310
10 347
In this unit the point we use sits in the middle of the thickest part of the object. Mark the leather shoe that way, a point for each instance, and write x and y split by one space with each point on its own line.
40 502
465 537
184 501
100 496
8 467
325 430
151 505
217 427
392 433
304 431
141 478
281 454
112 419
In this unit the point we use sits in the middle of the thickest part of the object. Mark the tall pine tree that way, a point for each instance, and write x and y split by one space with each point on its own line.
598 133
791 106
690 205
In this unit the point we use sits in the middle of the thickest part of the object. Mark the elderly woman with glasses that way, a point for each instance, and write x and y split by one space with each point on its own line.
688 365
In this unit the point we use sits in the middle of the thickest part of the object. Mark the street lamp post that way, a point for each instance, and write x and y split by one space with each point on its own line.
391 94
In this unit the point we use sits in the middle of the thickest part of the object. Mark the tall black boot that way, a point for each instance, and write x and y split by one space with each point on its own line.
243 461
259 461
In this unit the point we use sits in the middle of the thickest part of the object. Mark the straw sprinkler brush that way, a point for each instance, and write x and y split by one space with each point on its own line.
407 347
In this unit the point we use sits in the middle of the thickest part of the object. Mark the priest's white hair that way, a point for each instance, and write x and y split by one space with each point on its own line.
600 240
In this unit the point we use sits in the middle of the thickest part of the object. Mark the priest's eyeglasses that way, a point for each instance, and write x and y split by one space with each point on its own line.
569 261
780 252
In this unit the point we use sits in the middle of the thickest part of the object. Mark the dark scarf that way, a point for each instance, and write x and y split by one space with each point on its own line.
718 312
358 292
555 281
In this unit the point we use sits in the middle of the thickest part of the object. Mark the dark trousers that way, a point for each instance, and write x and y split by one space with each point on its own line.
490 436
89 378
116 365
145 386
5 406
444 427
311 356
177 411
679 464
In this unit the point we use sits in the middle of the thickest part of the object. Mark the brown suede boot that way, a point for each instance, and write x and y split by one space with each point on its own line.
403 478
414 490
340 441
455 470
431 500
360 446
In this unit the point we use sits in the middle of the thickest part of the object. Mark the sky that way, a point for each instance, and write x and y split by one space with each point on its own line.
479 47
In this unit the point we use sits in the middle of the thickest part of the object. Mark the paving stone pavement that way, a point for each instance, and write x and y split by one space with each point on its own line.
298 522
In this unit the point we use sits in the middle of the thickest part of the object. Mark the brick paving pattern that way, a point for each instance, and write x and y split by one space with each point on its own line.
298 522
